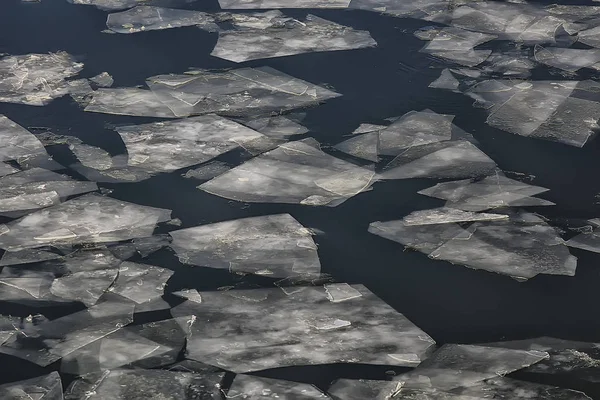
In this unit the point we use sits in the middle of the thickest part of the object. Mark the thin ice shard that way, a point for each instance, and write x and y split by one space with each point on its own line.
189 294
589 241
445 215
250 4
297 173
115 5
458 45
338 292
141 283
49 341
146 384
17 142
289 38
278 330
47 387
27 256
257 388
364 146
36 79
273 245
522 247
148 18
90 218
207 171
9 326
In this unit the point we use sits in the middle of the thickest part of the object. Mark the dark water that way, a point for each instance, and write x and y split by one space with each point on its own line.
451 303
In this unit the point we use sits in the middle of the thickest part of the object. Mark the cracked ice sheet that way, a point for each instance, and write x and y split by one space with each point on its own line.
47 387
146 384
148 18
273 245
522 247
150 345
540 109
295 37
141 283
259 388
589 241
570 60
295 173
494 191
252 330
458 45
51 340
17 142
234 92
9 326
578 359
36 79
29 190
277 126
91 218
259 4
448 215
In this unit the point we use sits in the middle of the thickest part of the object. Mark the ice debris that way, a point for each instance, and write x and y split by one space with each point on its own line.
255 329
272 245
522 246
297 173
234 92
47 387
288 37
103 79
148 18
589 241
259 388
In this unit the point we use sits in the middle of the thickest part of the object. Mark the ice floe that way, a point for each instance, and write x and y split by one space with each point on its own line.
47 387
296 172
257 388
249 4
255 329
17 142
272 245
522 246
148 18
289 37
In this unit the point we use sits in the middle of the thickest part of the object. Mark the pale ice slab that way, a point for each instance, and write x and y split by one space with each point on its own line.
90 218
233 92
8 327
589 241
36 79
522 247
148 18
103 79
47 387
294 37
297 173
27 256
259 388
272 245
277 126
171 145
29 190
207 171
6 169
251 330
146 384
17 142
491 192
250 4
141 283
149 345
569 60
364 146
412 9
458 45
114 5
445 215
51 340
189 294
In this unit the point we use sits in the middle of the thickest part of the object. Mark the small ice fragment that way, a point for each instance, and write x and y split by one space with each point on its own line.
328 323
151 244
208 171
103 80
16 141
277 126
141 283
338 292
189 294
448 215
255 388
47 387
252 4
148 18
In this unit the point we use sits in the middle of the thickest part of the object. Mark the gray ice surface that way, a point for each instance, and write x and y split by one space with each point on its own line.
148 18
17 142
47 387
250 4
259 388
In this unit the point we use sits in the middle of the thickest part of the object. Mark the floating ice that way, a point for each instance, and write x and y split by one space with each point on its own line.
522 247
448 215
90 218
208 171
277 126
233 92
148 245
273 245
103 80
249 4
338 292
149 345
189 294
289 38
148 18
458 45
296 172
17 142
259 388
569 60
51 340
36 79
27 256
589 241
8 327
26 191
141 283
276 329
146 384
364 146
47 387
494 191
114 5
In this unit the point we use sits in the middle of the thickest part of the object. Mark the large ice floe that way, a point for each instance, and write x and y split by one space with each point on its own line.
254 329
257 388
250 4
461 372
272 245
234 92
286 36
148 18
91 218
519 244
295 172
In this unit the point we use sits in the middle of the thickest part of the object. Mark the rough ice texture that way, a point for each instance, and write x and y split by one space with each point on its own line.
297 173
36 79
569 60
494 191
250 4
364 146
589 241
258 388
207 171
277 126
146 384
17 141
445 215
458 45
149 18
90 218
522 247
251 330
140 283
50 341
273 245
114 5
47 387
293 37
234 92
103 79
